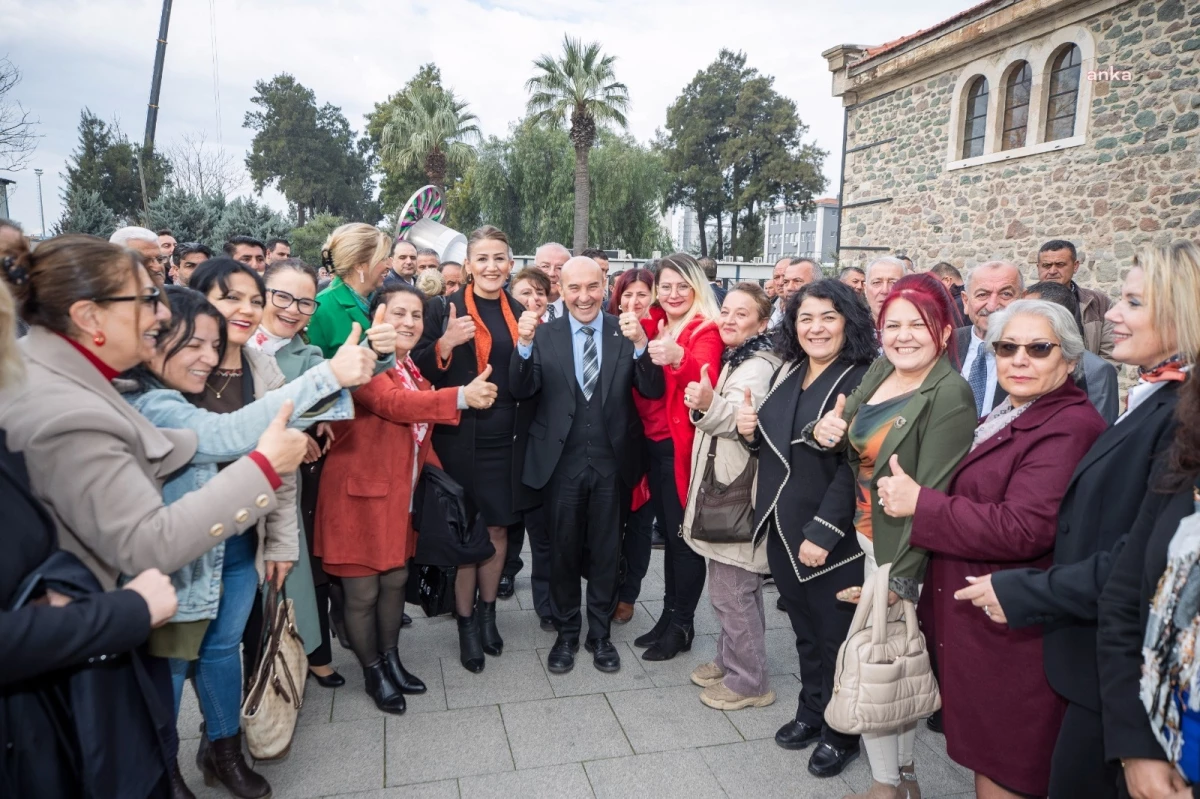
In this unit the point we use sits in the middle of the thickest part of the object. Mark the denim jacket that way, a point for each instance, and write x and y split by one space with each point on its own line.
224 437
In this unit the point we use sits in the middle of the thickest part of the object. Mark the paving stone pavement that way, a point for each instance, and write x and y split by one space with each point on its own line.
515 730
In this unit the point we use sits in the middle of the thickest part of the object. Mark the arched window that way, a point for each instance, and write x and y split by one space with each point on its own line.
975 123
1064 94
1016 107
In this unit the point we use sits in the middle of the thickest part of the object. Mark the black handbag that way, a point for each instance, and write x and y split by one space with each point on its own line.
724 513
432 589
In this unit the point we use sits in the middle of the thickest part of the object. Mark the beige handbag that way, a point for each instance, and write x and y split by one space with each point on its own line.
883 679
273 702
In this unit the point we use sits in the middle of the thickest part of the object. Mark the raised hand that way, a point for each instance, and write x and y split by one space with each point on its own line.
353 365
479 393
898 493
458 331
664 350
283 448
747 417
381 334
527 326
698 396
832 427
631 328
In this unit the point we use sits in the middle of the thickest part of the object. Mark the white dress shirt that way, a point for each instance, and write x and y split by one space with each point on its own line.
977 349
559 310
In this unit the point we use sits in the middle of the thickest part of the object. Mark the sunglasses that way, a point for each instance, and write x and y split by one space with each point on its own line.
1037 350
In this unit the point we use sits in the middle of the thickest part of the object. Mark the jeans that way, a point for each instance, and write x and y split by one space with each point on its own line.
219 668
736 595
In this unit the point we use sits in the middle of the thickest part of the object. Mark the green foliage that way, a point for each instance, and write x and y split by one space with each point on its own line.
309 153
308 240
432 130
190 217
628 185
245 217
106 162
86 213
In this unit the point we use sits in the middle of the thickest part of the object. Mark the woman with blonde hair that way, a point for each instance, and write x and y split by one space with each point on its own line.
359 256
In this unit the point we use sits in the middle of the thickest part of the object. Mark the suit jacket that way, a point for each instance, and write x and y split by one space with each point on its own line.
99 467
962 345
549 371
1097 512
1100 382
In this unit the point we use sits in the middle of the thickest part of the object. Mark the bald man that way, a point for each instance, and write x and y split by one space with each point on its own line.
584 449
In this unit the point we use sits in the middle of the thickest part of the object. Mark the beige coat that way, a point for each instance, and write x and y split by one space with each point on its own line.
721 421
98 466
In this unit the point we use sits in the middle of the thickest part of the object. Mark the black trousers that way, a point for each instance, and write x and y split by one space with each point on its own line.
683 569
585 515
534 522
516 542
820 623
1078 767
635 548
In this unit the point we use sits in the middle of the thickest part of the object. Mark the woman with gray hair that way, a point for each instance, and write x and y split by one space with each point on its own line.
1000 511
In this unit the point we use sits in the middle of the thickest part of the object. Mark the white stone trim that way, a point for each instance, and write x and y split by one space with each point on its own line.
1039 52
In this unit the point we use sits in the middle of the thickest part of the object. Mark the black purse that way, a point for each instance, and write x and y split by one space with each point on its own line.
725 513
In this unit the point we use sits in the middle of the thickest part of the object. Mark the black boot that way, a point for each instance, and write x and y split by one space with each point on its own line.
381 688
493 644
224 764
406 682
470 649
179 788
656 632
676 639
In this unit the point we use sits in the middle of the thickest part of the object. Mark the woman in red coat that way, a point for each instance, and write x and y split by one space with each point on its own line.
1000 511
683 341
364 530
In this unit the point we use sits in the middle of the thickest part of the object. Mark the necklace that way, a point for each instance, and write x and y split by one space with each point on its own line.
228 377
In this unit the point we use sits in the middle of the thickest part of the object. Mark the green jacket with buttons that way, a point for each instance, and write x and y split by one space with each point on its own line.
334 318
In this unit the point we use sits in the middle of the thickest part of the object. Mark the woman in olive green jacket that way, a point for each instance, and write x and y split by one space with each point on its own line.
912 413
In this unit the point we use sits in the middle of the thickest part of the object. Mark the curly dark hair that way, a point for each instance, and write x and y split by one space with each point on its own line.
860 345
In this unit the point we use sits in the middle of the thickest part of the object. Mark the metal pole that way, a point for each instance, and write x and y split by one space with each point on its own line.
160 56
41 209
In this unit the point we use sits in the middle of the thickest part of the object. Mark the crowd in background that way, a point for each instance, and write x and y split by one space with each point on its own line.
185 431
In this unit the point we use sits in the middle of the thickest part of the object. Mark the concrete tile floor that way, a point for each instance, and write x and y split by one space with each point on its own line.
515 730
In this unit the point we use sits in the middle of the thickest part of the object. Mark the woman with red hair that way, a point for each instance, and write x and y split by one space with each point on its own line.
912 414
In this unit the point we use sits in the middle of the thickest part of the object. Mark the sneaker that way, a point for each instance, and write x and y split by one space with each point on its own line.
721 698
707 674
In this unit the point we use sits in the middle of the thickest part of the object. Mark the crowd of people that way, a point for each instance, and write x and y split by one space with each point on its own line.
186 430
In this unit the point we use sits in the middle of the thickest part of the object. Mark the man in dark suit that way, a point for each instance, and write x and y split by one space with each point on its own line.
990 287
584 449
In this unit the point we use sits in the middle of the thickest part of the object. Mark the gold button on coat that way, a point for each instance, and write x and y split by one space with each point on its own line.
262 501
242 516
216 530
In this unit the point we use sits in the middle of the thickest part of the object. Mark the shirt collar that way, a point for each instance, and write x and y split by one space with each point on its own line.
576 325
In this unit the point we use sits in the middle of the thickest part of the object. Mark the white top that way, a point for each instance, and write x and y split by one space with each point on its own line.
978 346
559 310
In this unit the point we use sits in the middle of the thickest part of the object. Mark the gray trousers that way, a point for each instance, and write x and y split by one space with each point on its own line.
736 596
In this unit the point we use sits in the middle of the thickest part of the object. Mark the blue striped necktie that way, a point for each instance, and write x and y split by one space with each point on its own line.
591 363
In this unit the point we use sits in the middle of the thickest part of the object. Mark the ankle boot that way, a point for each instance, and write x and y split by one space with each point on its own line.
470 648
489 636
656 632
676 639
224 764
406 682
908 782
179 788
381 688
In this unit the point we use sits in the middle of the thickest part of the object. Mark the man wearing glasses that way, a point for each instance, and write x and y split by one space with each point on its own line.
144 242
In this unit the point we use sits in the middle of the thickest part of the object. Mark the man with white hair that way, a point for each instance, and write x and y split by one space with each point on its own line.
991 286
777 282
550 258
144 242
882 274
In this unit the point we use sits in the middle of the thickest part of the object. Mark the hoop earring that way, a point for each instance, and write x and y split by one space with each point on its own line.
99 339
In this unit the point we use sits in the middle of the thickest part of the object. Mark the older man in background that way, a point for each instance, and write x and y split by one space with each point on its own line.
856 279
452 277
144 242
550 258
881 275
777 284
991 286
427 258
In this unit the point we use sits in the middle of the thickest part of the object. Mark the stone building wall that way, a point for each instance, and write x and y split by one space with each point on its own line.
1135 180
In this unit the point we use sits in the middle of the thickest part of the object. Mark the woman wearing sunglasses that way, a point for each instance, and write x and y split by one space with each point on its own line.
1000 511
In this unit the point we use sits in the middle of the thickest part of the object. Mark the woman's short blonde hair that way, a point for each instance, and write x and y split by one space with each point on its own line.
1171 291
354 244
430 282
12 368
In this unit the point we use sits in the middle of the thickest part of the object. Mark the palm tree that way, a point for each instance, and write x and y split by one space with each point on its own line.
581 84
431 130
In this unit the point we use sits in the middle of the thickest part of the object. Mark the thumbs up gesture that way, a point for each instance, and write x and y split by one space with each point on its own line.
898 493
459 330
698 396
527 326
479 393
631 328
832 428
747 417
381 334
664 351
353 365
283 447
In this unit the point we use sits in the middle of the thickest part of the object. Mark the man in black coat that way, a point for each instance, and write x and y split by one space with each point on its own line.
584 450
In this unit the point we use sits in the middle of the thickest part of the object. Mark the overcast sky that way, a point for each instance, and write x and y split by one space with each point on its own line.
353 53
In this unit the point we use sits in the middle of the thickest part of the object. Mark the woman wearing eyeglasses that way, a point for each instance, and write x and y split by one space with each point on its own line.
1000 511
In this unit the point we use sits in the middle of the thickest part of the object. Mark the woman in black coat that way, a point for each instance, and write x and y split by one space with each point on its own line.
804 501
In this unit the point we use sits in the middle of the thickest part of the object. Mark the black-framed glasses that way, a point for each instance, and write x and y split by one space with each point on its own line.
1036 350
150 299
284 300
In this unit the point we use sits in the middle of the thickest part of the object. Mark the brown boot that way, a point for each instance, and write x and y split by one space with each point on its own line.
224 763
879 790
179 788
908 781
623 613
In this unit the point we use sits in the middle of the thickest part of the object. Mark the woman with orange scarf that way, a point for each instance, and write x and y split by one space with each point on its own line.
474 332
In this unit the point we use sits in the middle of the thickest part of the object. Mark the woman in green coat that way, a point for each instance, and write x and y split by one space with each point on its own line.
359 255
912 413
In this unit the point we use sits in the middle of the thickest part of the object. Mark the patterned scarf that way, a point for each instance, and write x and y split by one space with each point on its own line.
409 374
1172 370
267 342
736 356
1001 417
483 336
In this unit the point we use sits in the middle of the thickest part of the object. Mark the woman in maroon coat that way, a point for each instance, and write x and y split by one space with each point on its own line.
1000 511
364 529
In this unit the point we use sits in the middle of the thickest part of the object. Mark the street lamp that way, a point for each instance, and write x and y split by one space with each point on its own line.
41 210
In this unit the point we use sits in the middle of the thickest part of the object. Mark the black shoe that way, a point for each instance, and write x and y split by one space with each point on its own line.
179 788
562 655
546 623
779 604
470 650
489 636
829 761
381 688
657 539
508 587
797 735
333 680
405 681
934 722
656 632
405 620
604 655
675 640
224 764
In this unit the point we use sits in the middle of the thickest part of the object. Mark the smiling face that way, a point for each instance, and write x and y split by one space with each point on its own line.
130 328
675 294
989 291
188 369
1137 339
880 279
405 312
739 319
287 322
529 295
582 288
820 329
242 307
1026 378
636 298
907 341
489 265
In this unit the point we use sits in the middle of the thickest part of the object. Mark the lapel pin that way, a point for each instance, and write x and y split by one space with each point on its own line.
900 421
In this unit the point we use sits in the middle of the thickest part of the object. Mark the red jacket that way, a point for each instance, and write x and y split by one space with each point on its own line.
364 523
653 411
701 342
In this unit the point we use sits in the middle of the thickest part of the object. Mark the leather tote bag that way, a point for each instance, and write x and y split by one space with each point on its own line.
883 679
724 514
276 695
